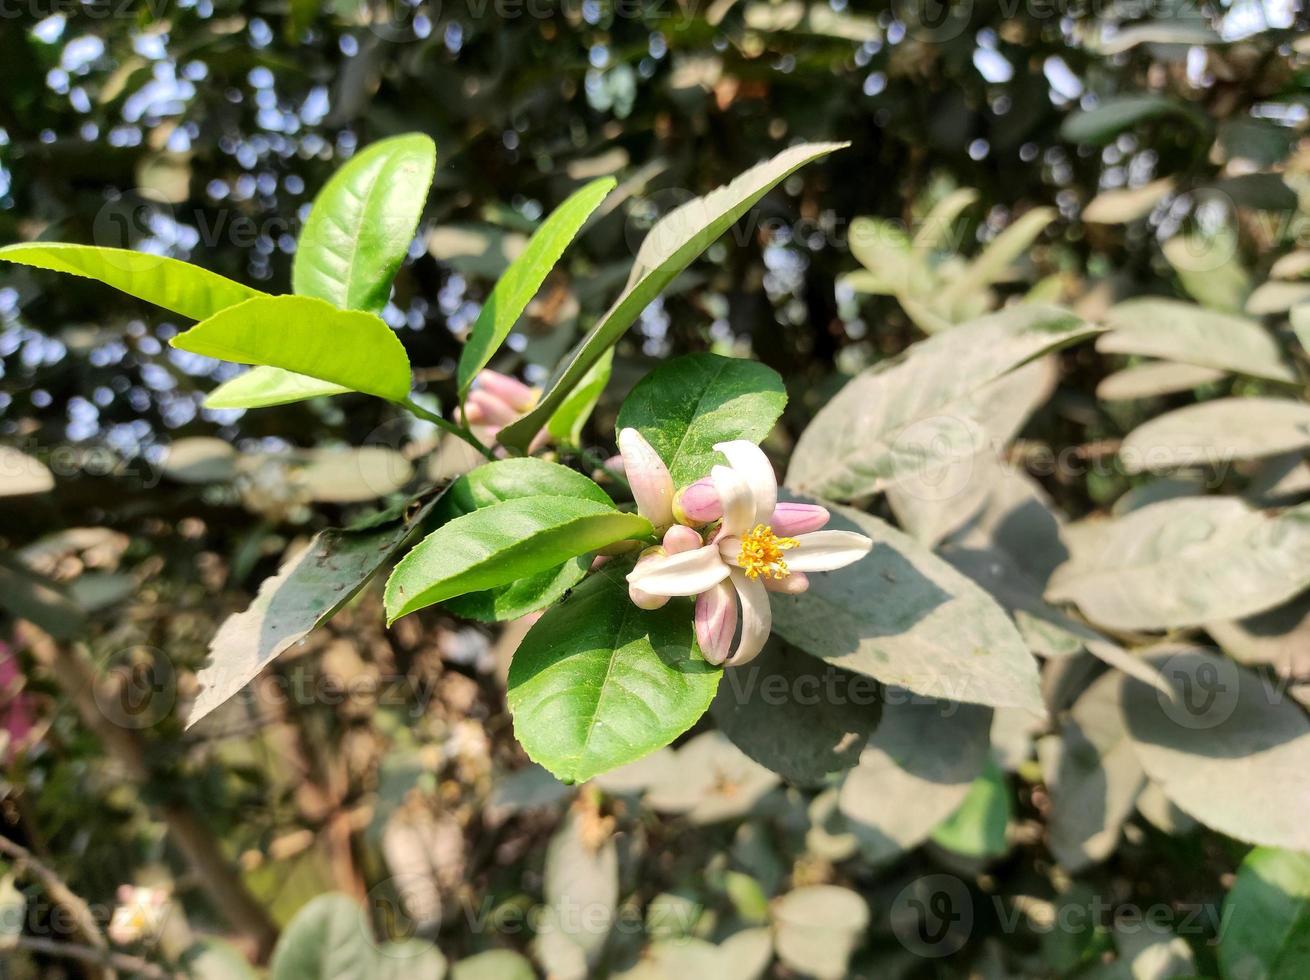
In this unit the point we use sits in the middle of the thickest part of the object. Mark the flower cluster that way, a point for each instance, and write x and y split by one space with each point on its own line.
729 542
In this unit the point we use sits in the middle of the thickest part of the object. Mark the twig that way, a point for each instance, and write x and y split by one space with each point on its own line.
58 892
459 431
97 957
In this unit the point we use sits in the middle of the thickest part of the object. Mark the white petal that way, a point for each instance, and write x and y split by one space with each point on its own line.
730 549
756 618
749 462
738 503
822 551
686 573
648 477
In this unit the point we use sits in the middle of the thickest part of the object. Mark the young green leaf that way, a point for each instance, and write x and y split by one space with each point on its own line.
171 283
524 277
978 828
565 426
670 246
310 337
906 416
363 222
598 683
263 387
503 543
686 406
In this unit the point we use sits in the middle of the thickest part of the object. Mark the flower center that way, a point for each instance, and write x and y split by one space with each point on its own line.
761 553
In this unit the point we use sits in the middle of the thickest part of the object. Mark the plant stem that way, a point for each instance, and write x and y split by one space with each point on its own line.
134 965
459 431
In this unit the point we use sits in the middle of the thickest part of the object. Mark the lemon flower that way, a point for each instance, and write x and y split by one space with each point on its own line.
760 546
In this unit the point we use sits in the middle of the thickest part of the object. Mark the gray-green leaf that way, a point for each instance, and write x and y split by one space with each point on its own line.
1212 434
329 939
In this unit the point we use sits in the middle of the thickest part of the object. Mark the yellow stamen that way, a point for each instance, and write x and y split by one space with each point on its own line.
761 553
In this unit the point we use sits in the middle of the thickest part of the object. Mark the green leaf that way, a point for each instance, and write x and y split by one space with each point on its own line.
310 337
988 267
580 873
1212 434
686 406
508 479
1113 116
503 543
175 285
263 387
496 964
921 625
1191 334
978 828
797 716
708 780
308 590
670 246
1225 746
1185 562
410 959
911 414
818 927
565 426
363 222
515 289
329 939
1267 918
916 770
1210 269
597 682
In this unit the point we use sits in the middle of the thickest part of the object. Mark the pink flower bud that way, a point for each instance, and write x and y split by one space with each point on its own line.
698 503
792 519
680 538
716 621
511 391
652 487
493 410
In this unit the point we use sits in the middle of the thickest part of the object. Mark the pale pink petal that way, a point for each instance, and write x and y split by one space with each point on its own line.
539 441
735 496
652 487
749 462
822 551
698 503
678 539
644 600
490 409
756 618
511 391
716 621
793 584
790 520
688 573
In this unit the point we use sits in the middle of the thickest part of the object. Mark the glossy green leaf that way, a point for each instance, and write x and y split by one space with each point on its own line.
1103 123
670 246
508 479
1267 918
565 426
978 828
329 939
263 387
520 282
1185 562
309 337
503 543
598 683
686 406
914 413
363 222
1191 334
905 617
527 595
175 285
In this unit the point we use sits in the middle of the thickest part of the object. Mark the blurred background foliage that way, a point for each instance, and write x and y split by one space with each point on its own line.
202 129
